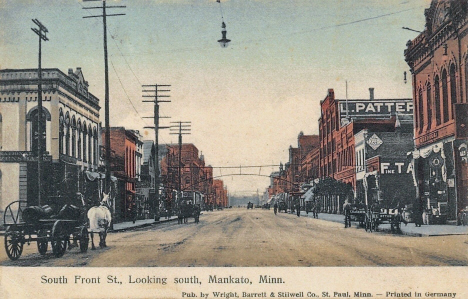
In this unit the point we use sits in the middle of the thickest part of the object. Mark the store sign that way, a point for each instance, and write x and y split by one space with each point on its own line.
375 142
396 167
18 156
369 109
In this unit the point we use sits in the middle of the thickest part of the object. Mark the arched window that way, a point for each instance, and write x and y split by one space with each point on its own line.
61 129
79 146
73 138
1 197
1 135
453 88
466 79
445 104
85 139
32 117
437 100
420 110
96 149
429 105
67 136
35 131
90 144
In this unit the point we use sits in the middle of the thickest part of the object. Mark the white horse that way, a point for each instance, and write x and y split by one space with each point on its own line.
99 221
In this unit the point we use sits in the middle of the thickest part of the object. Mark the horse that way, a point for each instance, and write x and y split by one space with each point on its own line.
99 220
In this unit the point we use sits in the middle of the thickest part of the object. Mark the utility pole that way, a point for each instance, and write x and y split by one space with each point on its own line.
183 128
41 32
154 90
106 78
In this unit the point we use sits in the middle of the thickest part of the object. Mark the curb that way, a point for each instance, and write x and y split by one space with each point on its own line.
141 225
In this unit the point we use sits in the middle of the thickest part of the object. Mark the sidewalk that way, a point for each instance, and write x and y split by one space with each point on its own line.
410 229
123 226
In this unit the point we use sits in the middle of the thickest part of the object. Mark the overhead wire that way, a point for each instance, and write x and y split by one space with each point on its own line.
118 77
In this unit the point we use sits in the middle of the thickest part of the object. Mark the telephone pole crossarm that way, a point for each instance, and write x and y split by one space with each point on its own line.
155 93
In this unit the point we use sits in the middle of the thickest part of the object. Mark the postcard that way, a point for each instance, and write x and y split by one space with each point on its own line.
234 149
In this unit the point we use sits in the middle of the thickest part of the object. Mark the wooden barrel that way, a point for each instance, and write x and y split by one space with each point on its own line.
69 212
33 214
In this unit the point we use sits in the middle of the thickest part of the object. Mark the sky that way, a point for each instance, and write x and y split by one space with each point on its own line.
246 103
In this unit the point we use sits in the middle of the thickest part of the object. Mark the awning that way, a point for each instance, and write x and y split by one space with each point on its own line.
308 196
272 199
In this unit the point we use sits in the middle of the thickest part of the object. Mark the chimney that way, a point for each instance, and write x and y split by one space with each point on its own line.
371 93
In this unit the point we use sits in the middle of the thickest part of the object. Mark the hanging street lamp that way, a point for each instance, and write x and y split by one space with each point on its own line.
224 42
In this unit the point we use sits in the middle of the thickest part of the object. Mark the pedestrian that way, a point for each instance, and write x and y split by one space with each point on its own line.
298 210
275 208
180 215
134 213
317 208
347 213
418 217
196 213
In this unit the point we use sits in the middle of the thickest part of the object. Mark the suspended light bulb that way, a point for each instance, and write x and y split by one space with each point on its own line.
224 42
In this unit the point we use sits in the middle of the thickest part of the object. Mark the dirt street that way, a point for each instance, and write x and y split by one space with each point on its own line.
241 237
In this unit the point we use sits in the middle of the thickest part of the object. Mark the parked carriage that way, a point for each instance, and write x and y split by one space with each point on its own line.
371 218
282 206
25 224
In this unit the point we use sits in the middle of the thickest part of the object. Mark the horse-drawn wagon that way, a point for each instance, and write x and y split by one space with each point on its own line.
25 224
371 218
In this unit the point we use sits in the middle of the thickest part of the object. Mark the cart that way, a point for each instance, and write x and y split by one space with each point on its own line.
373 219
57 232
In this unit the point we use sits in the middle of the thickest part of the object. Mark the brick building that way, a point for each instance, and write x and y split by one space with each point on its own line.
302 167
340 121
220 194
438 60
195 179
123 166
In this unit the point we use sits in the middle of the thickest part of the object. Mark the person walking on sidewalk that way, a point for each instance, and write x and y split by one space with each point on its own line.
275 208
180 215
347 214
298 209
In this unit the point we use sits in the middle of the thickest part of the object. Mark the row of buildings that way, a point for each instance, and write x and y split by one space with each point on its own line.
73 157
394 153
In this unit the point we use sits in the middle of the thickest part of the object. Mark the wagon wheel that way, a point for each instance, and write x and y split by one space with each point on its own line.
83 239
13 213
60 238
14 241
42 242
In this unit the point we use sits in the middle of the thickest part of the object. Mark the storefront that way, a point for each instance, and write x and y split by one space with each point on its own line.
435 175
